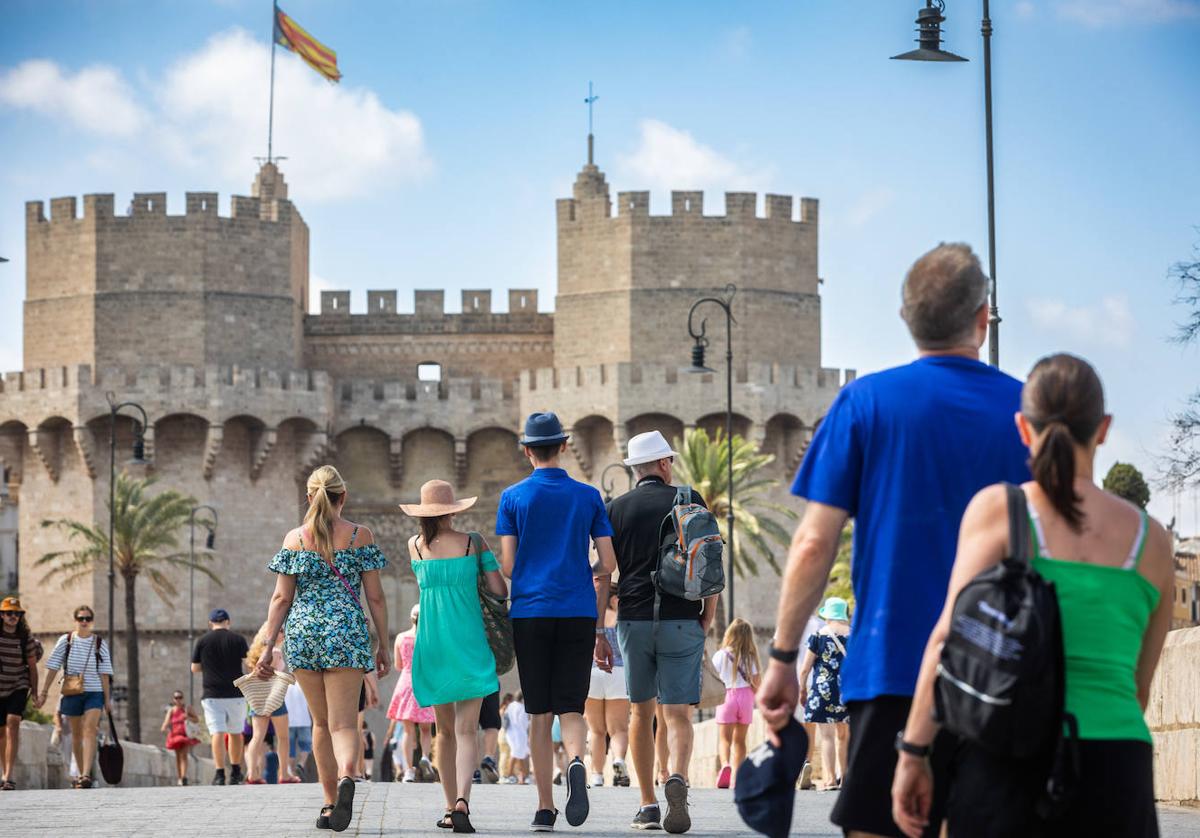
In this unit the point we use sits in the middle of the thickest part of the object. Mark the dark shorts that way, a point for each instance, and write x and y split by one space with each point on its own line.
77 705
865 800
13 704
489 712
554 662
1113 796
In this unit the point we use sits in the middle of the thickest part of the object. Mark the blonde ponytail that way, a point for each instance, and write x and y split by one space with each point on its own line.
326 490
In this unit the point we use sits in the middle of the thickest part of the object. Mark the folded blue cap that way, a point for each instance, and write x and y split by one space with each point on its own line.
766 782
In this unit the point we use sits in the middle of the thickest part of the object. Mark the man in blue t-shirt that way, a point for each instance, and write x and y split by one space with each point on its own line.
545 524
901 452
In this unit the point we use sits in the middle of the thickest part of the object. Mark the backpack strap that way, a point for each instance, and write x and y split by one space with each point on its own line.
1139 544
1019 542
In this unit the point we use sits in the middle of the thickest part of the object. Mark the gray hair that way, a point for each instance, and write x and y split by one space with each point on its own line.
942 293
642 469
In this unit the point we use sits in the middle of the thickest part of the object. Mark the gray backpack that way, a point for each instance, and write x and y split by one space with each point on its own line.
689 558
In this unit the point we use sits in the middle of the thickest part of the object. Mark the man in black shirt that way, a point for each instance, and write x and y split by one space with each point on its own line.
221 655
663 657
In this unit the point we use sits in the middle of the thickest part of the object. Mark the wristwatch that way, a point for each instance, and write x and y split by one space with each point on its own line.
920 751
784 657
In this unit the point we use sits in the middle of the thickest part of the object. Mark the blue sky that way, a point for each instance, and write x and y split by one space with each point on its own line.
437 160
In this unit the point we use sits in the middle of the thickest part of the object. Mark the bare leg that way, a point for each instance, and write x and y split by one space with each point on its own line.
724 743
426 741
237 746
360 764
541 749
491 743
828 754
641 747
738 751
91 723
679 731
843 744
660 743
218 750
466 721
313 685
342 688
10 743
593 711
447 751
280 725
76 723
256 750
616 719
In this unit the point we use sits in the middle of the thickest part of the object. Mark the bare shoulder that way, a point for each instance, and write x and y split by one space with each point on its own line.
1158 564
989 503
292 540
364 537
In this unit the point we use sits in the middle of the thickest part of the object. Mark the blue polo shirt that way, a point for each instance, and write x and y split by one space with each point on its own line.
903 451
554 518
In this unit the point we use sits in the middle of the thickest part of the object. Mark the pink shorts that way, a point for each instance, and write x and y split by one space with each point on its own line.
738 708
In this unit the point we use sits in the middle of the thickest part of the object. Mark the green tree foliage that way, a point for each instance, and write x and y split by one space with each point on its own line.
703 465
146 530
1124 480
839 576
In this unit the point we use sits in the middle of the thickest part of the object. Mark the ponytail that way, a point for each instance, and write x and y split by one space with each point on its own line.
326 489
1063 400
431 526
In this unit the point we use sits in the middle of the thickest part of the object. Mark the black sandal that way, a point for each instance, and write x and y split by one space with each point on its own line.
85 782
8 785
447 821
461 820
343 807
323 818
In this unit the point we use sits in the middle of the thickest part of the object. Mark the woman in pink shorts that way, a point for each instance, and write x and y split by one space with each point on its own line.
738 665
404 709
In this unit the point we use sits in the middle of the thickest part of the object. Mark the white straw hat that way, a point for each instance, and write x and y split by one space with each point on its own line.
648 447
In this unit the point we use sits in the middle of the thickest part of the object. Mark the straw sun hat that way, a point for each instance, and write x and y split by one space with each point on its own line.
437 499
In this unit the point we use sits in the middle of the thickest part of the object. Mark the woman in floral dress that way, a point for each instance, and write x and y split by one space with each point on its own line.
824 706
417 720
328 645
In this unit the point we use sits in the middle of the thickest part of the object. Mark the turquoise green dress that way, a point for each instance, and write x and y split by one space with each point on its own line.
452 660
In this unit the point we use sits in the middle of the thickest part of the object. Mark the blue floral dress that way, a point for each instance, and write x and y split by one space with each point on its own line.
326 627
825 703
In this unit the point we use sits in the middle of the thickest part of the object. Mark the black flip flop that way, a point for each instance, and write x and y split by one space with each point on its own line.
343 807
461 820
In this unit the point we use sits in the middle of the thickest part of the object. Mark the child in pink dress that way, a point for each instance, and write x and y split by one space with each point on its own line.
404 708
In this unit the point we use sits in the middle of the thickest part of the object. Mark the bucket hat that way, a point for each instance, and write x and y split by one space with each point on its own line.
437 499
543 429
835 608
648 448
11 603
765 793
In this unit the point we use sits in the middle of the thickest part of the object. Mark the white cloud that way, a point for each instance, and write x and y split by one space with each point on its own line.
1108 321
668 158
1109 12
869 205
208 113
96 98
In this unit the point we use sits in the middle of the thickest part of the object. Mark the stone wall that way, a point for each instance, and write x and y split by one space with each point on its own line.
1174 718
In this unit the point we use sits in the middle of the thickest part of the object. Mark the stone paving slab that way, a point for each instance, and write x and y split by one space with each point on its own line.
381 809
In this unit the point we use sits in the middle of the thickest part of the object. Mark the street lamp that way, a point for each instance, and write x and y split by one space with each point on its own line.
606 485
698 366
929 36
139 458
209 542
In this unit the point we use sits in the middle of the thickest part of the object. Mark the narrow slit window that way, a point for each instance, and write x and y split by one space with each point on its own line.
429 372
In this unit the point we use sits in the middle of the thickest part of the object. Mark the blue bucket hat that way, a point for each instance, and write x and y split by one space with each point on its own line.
543 429
766 782
835 608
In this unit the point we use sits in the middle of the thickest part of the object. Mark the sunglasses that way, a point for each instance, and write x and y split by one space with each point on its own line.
16 615
177 697
83 618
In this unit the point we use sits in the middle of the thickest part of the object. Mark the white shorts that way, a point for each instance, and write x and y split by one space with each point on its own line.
608 685
224 715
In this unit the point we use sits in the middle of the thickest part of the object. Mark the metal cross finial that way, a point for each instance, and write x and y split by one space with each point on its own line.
589 101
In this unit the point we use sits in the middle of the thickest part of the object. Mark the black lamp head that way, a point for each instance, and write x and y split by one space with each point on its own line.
210 540
929 36
698 365
139 451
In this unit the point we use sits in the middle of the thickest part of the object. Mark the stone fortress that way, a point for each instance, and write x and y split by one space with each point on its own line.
202 320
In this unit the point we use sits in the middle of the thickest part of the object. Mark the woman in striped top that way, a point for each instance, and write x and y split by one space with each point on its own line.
19 653
81 652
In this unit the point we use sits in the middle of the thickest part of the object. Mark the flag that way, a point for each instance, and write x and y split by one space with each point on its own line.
321 58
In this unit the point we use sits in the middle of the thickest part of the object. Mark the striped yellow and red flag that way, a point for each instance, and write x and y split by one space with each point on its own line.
290 34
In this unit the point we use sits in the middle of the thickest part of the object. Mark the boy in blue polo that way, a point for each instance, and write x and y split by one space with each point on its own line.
545 523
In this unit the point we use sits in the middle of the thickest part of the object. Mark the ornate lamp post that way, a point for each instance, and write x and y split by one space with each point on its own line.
929 37
209 541
138 459
606 485
698 366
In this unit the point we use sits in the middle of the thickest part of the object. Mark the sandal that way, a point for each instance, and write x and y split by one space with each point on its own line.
8 785
447 821
461 820
323 819
85 781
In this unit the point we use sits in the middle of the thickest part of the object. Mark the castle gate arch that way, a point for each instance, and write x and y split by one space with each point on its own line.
594 445
785 438
362 458
669 426
494 462
714 422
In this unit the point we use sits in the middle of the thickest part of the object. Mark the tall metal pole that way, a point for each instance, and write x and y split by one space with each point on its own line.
729 442
993 308
271 106
112 481
192 589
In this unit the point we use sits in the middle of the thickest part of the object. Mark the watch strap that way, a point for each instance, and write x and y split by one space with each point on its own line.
902 746
782 656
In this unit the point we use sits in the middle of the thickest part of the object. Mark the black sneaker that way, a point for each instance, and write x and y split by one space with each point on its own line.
543 820
677 819
235 775
219 777
577 799
647 817
476 778
488 771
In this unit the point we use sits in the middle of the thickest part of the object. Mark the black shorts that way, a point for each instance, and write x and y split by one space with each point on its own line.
865 800
997 796
489 712
13 704
554 662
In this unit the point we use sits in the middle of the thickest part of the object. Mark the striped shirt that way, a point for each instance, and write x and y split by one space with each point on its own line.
14 666
83 659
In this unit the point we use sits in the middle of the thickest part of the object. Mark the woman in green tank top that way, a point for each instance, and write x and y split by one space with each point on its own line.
1111 567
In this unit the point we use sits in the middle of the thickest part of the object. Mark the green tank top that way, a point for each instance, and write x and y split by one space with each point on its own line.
1105 611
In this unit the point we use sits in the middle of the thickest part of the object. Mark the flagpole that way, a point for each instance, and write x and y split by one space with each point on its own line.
271 106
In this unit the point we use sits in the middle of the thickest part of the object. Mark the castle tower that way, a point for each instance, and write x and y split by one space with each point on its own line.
186 289
626 282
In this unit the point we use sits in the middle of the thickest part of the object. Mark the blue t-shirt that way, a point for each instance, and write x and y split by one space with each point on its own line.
553 518
903 451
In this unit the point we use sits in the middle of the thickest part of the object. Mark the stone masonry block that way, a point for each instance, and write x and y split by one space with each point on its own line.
381 302
62 209
429 303
335 302
476 302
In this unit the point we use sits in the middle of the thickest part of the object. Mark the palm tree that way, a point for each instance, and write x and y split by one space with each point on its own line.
703 464
146 531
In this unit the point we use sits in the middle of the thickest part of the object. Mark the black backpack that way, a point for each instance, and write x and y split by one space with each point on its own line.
1001 678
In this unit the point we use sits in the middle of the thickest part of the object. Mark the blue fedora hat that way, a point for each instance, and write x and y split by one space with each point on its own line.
543 429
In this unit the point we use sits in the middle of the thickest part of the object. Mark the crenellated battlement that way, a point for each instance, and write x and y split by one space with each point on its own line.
198 206
652 376
740 207
522 302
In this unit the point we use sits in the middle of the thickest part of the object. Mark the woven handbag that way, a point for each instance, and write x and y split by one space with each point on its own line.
496 622
265 696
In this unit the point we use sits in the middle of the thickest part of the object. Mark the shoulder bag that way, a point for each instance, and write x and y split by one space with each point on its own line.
496 622
111 756
72 684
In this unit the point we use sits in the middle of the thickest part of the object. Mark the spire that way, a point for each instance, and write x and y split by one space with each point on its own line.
269 183
590 182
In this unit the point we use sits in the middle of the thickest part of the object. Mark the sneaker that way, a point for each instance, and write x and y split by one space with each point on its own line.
558 778
410 776
219 777
723 777
476 778
597 781
543 820
647 817
577 799
675 791
235 775
425 772
487 770
806 782
620 774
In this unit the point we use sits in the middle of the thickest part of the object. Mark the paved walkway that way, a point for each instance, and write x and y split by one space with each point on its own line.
380 809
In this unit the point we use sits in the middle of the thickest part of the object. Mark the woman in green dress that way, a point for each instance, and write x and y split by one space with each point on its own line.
452 668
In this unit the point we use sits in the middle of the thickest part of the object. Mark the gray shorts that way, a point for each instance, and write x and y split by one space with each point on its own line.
662 660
